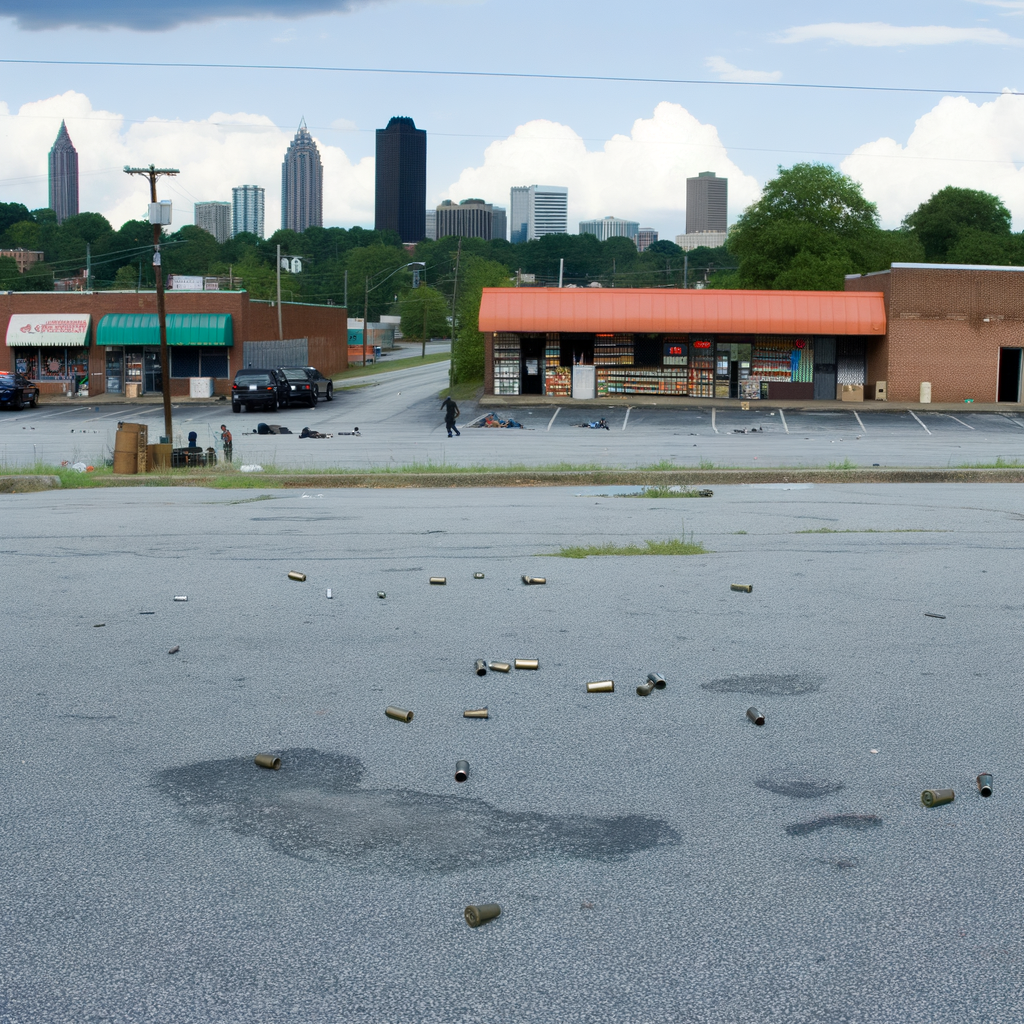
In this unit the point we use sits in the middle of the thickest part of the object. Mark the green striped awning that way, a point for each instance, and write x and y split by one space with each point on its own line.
133 329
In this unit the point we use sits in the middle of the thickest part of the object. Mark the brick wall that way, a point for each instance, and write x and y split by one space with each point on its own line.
325 326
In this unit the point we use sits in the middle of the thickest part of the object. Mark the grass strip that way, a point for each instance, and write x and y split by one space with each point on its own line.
662 491
828 529
675 546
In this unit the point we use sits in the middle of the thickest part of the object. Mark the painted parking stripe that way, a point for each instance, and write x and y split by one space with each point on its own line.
961 422
713 427
857 414
552 420
626 420
785 425
918 418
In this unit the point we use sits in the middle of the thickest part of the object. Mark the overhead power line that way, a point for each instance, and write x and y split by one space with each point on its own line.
620 79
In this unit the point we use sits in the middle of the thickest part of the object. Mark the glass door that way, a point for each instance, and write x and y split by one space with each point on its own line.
151 370
115 371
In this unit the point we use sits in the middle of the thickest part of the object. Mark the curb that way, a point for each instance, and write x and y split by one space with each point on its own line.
28 484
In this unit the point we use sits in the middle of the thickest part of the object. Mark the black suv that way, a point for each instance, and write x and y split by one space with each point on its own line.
17 391
254 389
298 387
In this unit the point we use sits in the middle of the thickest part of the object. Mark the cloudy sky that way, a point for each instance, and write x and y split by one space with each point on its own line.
622 147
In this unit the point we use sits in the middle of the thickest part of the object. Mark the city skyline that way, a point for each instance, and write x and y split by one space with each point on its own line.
302 183
63 176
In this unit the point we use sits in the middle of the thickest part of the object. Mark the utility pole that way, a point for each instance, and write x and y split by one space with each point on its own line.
366 308
346 293
455 307
686 270
88 267
280 328
157 218
561 270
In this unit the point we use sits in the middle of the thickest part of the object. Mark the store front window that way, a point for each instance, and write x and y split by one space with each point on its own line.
115 371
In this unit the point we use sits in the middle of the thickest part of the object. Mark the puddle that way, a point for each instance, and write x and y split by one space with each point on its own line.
763 685
797 784
857 822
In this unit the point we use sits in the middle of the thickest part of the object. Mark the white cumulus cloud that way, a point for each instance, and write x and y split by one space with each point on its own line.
640 176
979 146
730 73
877 33
212 154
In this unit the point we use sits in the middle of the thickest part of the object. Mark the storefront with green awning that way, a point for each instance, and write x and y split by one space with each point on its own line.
199 346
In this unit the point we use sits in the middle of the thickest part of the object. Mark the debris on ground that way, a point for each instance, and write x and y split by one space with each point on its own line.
490 420
476 916
594 425
306 432
250 469
174 649
752 430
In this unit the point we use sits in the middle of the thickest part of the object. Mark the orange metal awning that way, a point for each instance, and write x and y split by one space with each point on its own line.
679 311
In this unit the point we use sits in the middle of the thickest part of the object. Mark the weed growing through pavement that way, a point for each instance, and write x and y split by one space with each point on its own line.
845 464
828 529
1000 463
682 545
662 491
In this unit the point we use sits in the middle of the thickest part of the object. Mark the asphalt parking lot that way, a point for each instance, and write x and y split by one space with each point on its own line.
657 859
400 424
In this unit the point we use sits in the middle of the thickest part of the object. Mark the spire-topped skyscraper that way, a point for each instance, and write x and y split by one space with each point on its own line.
302 183
63 176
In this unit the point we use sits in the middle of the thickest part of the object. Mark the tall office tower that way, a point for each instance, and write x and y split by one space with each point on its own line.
610 227
247 210
499 224
430 224
214 217
707 203
471 218
401 192
645 238
63 176
302 183
539 210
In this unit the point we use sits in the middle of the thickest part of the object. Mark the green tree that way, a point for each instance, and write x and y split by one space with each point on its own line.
424 313
24 234
8 273
375 262
12 213
939 221
810 227
475 274
191 250
126 278
972 245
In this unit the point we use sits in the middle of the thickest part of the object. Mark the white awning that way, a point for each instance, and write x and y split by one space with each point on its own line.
31 329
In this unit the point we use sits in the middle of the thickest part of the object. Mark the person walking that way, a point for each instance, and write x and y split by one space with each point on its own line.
225 438
451 414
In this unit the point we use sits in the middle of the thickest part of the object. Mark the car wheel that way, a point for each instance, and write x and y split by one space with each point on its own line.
236 407
330 393
312 400
16 402
34 401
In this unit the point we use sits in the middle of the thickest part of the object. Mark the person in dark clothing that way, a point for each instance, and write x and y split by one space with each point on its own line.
193 439
451 412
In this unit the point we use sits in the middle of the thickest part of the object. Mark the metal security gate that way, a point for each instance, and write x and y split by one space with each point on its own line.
825 368
268 355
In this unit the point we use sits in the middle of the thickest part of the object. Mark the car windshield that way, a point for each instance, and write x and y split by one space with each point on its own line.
295 375
253 378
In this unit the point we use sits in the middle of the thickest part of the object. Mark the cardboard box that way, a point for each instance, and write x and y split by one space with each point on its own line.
850 392
881 391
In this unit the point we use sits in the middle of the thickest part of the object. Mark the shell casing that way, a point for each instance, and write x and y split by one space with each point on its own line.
937 797
268 761
381 594
526 663
329 594
500 666
480 667
476 916
183 597
602 686
476 713
933 615
299 577
398 714
535 581
174 649
645 689
461 771
478 575
985 784
657 680
755 716
743 588
439 581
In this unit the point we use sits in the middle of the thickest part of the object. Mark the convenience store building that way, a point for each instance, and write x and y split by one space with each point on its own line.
958 329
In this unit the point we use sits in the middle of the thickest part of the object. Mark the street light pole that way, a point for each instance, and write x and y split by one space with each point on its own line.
152 173
280 329
366 303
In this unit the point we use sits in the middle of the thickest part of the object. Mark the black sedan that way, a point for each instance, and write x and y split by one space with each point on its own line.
17 391
299 389
324 385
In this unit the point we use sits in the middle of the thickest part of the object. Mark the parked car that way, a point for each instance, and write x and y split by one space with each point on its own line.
257 389
17 391
299 389
324 385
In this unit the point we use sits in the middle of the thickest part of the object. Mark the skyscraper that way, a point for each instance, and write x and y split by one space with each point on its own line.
63 167
610 227
214 217
471 218
401 187
707 203
302 183
430 224
499 226
645 238
539 210
247 210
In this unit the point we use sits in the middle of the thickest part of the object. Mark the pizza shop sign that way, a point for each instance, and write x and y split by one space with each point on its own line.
31 329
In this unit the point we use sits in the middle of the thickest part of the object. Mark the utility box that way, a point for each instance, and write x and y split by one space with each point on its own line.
584 382
200 387
881 391
925 395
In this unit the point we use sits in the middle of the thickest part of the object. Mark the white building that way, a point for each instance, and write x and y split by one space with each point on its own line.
214 217
247 210
539 210
610 227
695 239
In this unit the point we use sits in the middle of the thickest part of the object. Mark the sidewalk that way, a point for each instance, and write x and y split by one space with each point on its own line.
109 399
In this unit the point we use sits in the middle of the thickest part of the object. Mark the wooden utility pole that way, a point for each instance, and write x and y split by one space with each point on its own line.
366 307
155 218
280 328
455 306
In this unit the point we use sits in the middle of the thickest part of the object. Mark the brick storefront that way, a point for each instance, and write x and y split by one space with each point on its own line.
326 327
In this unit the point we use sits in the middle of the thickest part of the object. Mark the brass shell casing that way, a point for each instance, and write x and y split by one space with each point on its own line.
656 679
755 716
500 666
461 771
645 689
476 916
478 575
299 577
521 663
476 713
398 714
744 588
603 686
268 761
937 797
480 667
381 594
183 597
439 581
535 581
984 781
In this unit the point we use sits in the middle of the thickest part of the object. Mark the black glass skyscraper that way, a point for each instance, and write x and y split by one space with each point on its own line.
401 195
63 166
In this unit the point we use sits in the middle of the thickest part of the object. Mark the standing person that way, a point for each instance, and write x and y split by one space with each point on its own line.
451 414
225 438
